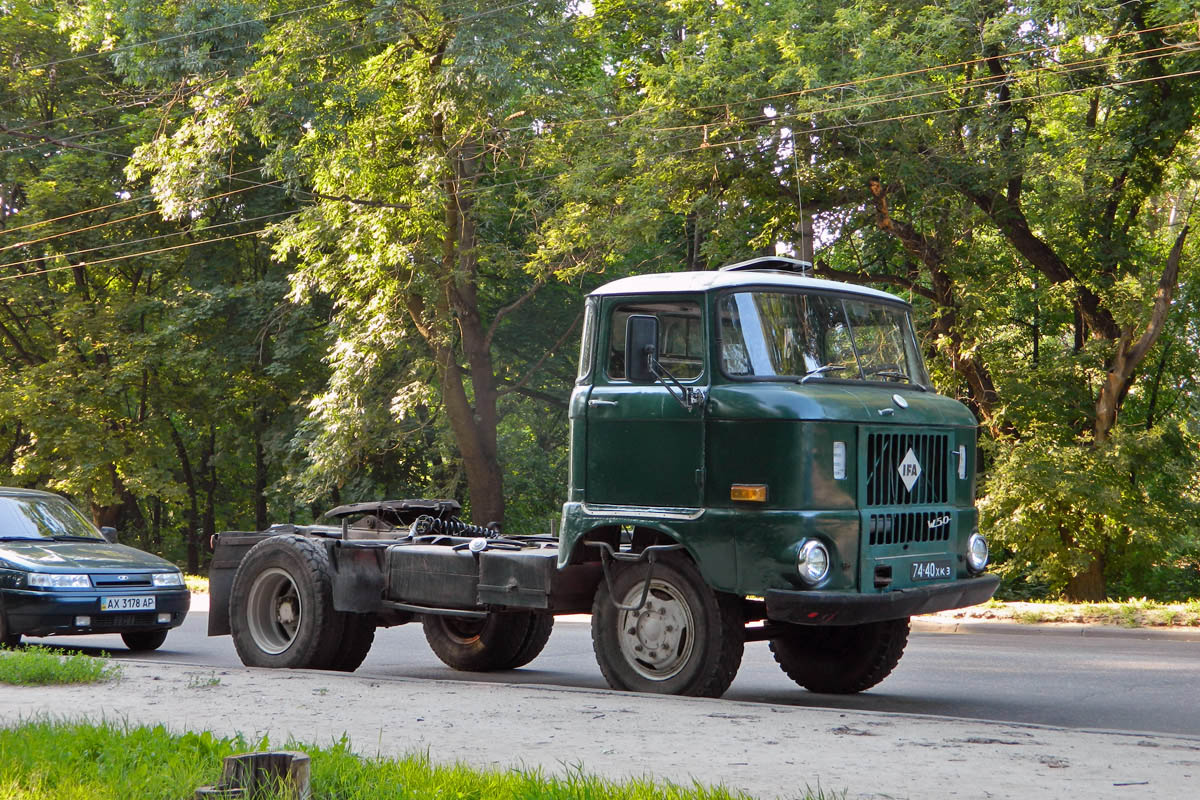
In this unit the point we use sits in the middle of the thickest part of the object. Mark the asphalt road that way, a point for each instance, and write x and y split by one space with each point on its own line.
1129 682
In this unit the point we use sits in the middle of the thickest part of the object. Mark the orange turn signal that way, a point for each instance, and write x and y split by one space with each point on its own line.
748 492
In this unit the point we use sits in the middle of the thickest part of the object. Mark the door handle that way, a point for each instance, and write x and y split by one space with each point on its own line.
595 403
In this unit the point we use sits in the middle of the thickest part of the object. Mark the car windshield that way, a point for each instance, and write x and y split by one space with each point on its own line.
775 334
43 518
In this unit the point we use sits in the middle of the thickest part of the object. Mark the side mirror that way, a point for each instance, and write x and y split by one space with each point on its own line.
641 348
109 534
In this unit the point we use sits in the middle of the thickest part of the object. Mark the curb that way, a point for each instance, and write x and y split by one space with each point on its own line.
1004 627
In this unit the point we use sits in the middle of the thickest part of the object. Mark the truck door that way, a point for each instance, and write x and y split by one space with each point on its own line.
643 447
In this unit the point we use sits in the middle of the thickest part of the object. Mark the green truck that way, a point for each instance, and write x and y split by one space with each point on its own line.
756 455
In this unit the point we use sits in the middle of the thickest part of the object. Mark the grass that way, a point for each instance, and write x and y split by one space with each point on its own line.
118 761
39 666
1132 613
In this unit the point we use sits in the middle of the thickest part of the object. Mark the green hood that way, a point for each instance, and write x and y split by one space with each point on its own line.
835 402
45 555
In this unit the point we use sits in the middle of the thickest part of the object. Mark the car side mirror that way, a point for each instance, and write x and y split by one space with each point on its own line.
641 348
109 534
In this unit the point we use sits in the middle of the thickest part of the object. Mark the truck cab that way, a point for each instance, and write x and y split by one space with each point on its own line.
783 430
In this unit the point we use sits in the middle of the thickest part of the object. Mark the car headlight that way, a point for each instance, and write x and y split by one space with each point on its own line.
168 579
813 562
45 580
977 552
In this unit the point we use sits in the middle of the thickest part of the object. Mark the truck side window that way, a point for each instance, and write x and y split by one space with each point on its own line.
680 338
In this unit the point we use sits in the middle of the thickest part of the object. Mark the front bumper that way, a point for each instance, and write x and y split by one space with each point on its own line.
835 608
50 613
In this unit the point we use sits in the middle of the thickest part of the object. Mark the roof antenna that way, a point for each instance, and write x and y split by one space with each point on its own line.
806 269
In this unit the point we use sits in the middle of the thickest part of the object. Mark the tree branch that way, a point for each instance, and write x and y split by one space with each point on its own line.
517 387
508 309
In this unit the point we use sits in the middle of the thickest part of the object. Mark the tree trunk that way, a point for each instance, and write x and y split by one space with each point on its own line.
209 523
260 473
1088 586
192 514
452 325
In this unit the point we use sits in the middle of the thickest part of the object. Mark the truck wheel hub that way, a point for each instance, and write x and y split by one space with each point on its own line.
656 640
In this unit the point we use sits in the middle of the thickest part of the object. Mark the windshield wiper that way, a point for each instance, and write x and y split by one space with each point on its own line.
821 370
66 537
888 373
20 538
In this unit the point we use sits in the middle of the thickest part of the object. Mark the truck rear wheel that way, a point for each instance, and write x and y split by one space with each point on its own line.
686 639
358 634
281 606
841 659
540 628
498 641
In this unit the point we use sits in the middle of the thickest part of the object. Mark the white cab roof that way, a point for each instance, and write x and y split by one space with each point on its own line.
686 282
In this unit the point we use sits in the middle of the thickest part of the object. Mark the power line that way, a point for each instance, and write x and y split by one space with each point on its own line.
118 221
129 255
112 245
96 208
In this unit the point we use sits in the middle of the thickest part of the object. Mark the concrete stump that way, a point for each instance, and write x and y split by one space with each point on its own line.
251 775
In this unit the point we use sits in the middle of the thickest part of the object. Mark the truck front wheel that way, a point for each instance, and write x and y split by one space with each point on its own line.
281 606
501 640
686 639
841 659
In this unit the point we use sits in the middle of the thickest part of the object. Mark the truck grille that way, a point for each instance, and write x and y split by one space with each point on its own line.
885 452
911 527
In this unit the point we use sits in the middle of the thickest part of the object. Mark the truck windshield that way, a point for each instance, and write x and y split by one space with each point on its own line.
774 334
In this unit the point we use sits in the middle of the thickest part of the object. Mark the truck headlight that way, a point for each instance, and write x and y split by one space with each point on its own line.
168 579
977 552
813 562
44 580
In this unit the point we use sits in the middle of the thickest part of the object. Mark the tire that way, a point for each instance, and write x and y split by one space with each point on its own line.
479 645
540 628
833 659
281 606
686 640
357 637
7 638
144 641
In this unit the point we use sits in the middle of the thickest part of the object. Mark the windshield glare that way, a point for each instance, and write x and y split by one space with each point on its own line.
42 518
771 334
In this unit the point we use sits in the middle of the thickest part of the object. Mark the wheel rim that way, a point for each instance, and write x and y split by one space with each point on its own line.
657 640
462 631
274 611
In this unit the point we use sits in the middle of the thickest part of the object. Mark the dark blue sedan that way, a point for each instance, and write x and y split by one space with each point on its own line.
59 575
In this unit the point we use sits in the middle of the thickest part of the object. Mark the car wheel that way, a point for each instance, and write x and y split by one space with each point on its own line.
841 659
144 641
8 638
281 606
478 645
686 639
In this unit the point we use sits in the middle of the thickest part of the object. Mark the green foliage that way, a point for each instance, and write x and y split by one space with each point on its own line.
1052 505
41 666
